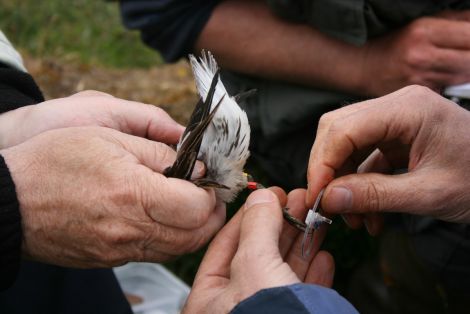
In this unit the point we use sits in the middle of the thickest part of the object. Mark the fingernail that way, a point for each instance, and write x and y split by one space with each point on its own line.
199 170
262 196
339 199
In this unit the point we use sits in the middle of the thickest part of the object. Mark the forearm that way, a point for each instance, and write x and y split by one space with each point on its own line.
246 37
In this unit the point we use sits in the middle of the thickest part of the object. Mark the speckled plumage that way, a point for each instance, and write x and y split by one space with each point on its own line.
224 147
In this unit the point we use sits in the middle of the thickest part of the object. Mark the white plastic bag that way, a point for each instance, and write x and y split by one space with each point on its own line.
161 291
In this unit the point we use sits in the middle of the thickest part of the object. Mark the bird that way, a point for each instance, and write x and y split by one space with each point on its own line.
218 134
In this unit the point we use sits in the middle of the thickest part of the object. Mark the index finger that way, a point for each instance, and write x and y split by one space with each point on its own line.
451 33
130 117
147 121
394 116
458 15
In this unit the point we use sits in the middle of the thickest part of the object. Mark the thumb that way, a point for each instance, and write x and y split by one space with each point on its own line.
154 155
261 224
374 192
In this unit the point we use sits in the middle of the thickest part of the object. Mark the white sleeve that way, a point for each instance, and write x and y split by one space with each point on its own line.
8 54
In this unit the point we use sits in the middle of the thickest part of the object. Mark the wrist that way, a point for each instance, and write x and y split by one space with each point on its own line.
11 126
354 71
369 70
24 178
342 68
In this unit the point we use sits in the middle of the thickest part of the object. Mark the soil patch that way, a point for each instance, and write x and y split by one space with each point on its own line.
169 86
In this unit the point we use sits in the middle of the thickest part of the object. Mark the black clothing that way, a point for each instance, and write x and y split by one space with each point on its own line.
17 89
10 229
48 289
170 26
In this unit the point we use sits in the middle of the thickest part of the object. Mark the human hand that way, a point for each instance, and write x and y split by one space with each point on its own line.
255 251
88 108
412 129
430 51
94 197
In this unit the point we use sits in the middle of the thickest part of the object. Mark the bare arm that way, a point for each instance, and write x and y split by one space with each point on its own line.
246 37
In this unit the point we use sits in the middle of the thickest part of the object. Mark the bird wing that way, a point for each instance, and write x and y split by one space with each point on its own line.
190 142
224 148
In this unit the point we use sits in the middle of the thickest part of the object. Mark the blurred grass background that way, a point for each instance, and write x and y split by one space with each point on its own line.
82 44
88 31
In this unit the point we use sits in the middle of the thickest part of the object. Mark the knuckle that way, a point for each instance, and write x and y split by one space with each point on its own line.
421 90
117 233
163 153
91 92
419 28
112 259
337 128
325 120
374 197
421 93
159 111
117 237
145 197
125 193
417 58
107 255
201 217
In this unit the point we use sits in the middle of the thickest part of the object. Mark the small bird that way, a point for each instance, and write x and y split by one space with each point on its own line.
218 134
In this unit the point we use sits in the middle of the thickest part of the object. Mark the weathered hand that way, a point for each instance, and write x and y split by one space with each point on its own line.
89 108
413 129
250 253
430 51
93 197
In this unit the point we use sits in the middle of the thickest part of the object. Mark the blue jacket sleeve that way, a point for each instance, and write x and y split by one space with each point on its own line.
297 298
169 26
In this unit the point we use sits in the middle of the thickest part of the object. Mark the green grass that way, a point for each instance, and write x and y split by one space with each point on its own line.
88 31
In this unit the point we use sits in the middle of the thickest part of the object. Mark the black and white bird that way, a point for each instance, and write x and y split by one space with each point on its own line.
218 134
